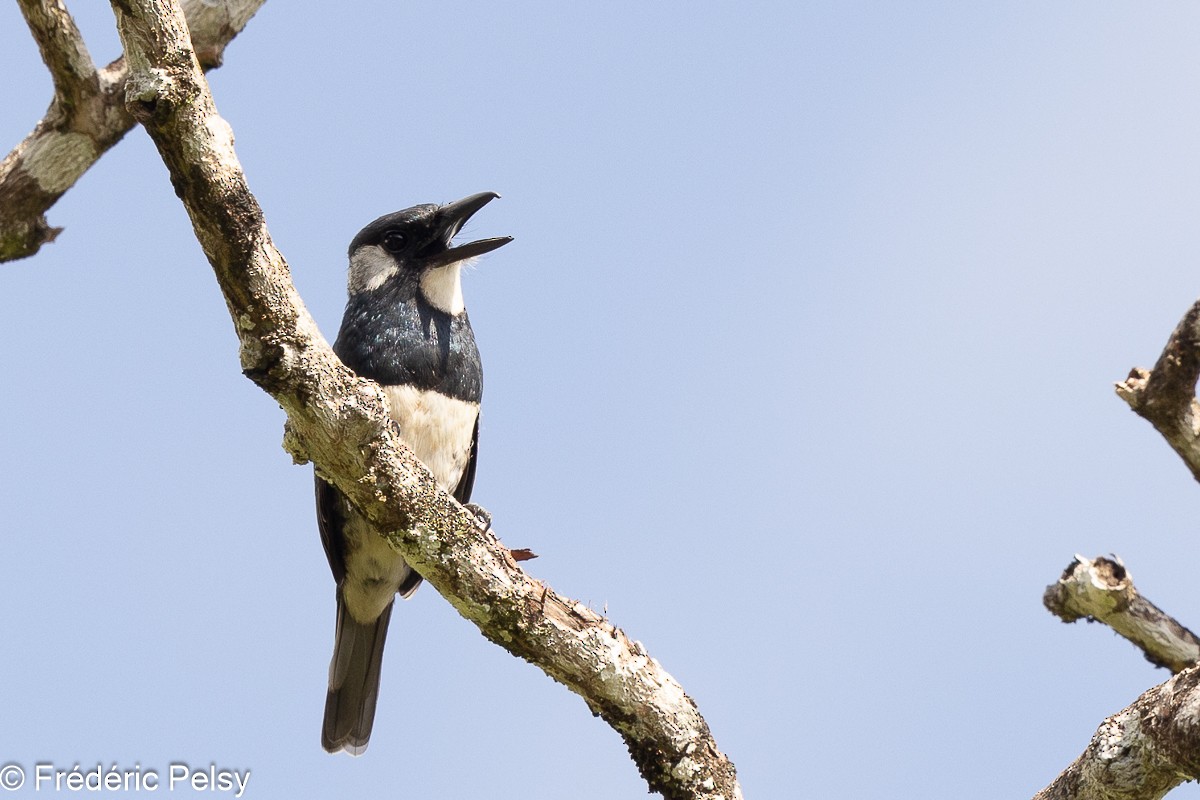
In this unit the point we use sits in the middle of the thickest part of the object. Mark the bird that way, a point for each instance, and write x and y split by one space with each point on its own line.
405 327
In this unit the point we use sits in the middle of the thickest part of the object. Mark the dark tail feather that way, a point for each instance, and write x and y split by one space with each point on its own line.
353 681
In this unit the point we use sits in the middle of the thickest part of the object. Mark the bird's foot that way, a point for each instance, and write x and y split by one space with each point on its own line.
481 514
484 517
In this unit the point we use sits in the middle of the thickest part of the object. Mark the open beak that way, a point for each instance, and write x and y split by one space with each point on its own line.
452 217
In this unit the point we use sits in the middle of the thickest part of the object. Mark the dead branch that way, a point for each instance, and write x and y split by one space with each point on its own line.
1166 395
1102 590
1153 745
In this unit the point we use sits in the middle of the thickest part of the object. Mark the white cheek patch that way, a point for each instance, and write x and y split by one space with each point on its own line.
370 266
442 287
437 428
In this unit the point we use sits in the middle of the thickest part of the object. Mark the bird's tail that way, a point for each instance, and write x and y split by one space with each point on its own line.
353 681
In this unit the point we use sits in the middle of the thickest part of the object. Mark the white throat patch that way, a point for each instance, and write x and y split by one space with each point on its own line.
370 266
442 287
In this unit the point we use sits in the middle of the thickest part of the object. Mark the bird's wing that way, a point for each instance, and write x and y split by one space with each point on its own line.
462 492
330 521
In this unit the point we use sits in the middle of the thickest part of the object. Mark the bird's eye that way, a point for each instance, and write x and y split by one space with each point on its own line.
394 241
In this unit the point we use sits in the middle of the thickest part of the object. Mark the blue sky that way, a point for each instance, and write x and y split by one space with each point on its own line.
800 365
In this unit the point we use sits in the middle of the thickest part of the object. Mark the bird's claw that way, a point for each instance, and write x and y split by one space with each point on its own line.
483 516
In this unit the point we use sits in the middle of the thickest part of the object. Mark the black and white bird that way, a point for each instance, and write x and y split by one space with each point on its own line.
405 327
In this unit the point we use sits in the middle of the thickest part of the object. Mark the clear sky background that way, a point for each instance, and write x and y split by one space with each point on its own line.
800 365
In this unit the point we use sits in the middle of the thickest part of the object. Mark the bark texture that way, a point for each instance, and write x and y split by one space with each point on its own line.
338 421
86 116
1140 753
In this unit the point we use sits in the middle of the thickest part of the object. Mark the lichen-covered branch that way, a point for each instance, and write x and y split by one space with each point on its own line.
1166 395
1140 753
86 116
339 422
1103 590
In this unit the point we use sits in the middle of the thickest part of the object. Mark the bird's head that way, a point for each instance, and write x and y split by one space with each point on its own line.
414 245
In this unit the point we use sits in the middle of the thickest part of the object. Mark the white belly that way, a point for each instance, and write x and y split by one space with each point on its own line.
439 431
437 428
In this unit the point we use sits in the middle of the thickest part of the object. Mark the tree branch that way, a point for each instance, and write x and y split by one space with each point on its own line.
1154 745
1166 395
87 115
1103 591
62 48
1142 752
339 422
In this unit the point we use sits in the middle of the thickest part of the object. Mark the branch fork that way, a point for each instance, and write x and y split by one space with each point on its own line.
336 420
